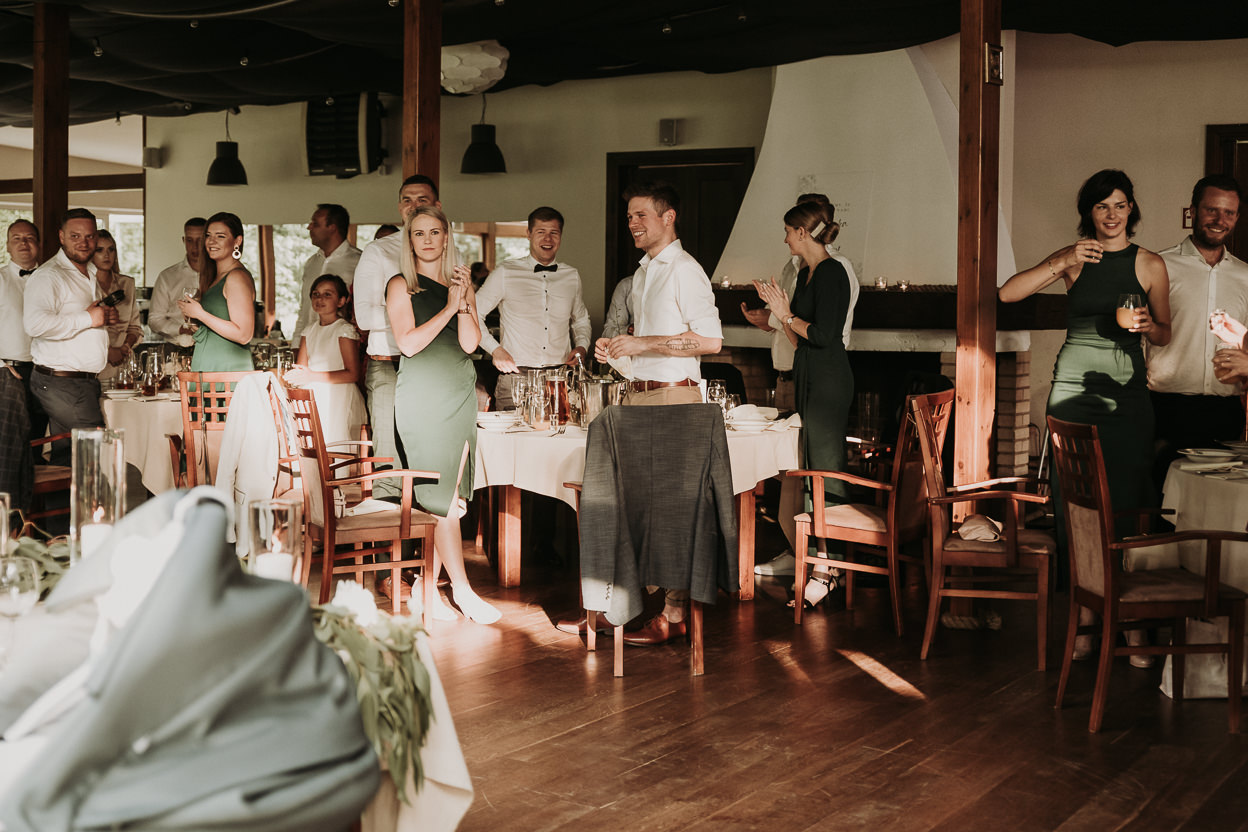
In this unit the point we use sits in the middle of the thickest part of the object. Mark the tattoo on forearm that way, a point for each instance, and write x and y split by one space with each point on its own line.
681 344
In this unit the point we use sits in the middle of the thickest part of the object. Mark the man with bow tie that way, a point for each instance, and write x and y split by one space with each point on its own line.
23 246
540 306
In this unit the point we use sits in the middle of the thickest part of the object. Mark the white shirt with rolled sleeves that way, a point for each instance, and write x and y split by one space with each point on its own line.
57 320
378 263
1185 365
14 342
342 261
165 316
672 295
782 349
537 312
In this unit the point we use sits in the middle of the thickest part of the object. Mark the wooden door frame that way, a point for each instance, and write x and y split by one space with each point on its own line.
656 158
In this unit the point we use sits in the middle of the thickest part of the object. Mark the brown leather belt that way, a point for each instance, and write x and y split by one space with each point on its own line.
48 371
647 386
389 358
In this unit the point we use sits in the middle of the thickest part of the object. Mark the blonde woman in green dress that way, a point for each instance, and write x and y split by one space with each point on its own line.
226 308
433 316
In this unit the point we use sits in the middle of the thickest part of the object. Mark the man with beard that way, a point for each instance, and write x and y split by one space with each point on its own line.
1192 407
68 335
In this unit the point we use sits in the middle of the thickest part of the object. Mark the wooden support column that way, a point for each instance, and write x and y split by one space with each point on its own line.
978 157
268 277
50 109
422 87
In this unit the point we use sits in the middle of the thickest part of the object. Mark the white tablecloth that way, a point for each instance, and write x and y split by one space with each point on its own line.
541 463
1202 501
147 424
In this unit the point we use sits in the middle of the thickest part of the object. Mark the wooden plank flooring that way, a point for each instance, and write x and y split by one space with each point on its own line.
835 725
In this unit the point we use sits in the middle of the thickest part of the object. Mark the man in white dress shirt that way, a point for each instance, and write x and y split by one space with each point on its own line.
1191 406
676 321
66 325
164 317
23 248
328 232
378 263
539 301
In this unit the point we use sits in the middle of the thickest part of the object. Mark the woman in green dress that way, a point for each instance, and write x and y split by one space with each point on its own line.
433 316
1099 377
814 322
226 309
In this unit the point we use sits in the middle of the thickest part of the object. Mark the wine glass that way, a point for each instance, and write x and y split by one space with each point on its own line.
1127 304
716 392
730 402
19 586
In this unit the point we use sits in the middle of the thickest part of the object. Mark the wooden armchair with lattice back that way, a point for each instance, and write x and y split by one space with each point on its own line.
897 518
205 401
367 534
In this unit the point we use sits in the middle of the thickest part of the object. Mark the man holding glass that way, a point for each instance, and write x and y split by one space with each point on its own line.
1191 406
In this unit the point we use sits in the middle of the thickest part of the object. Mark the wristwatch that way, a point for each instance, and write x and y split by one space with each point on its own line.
789 320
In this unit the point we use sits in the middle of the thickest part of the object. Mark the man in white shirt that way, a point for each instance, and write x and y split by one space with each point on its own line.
676 321
66 325
1191 406
378 263
539 301
23 248
164 317
328 232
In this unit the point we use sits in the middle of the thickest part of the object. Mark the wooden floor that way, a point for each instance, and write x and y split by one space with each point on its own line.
833 725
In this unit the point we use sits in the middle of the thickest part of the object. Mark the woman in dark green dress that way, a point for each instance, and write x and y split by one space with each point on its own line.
823 381
226 308
433 316
1099 378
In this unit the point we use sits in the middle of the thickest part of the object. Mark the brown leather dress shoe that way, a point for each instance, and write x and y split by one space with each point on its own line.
385 587
657 631
576 626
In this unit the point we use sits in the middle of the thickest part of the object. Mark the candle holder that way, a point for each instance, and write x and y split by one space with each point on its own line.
97 491
276 539
881 283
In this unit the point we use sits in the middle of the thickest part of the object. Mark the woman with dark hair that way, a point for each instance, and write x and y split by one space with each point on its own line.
1099 377
433 317
128 331
823 381
226 307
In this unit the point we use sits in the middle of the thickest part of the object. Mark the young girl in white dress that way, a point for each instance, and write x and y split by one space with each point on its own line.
328 363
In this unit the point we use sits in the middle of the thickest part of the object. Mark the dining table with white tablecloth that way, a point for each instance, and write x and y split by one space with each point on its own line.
542 461
1203 499
148 422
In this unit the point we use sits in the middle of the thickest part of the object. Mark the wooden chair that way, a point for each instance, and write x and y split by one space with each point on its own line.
194 454
49 479
898 517
368 534
1135 600
1020 554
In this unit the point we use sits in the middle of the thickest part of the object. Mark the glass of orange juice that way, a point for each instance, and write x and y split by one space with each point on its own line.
1127 304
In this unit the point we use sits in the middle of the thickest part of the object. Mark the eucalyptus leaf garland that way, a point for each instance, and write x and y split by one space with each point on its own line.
52 561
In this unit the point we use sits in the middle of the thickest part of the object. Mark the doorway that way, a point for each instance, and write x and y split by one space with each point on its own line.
1226 151
711 184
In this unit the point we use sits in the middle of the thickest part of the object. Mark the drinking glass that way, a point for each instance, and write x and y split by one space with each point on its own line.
276 541
19 586
97 491
730 402
520 395
1127 304
715 392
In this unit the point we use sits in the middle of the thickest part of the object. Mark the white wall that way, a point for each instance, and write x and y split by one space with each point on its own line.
555 140
1083 106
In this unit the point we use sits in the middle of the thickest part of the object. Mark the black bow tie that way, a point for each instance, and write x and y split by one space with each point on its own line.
24 272
540 268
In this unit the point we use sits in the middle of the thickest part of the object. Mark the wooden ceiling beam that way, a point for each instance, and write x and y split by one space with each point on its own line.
422 87
979 129
50 186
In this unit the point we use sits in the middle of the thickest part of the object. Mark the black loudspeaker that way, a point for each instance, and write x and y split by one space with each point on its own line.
342 135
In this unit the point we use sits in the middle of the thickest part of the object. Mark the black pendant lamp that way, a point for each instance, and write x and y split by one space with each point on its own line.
226 169
483 155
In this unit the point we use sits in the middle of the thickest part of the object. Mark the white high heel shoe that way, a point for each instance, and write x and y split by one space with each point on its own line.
475 607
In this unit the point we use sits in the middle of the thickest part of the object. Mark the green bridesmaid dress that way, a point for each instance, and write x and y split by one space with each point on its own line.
214 354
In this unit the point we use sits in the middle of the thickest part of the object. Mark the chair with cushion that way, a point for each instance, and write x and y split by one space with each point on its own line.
898 517
1134 600
48 479
370 533
982 568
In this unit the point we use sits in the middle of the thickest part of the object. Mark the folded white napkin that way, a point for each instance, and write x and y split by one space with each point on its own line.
753 413
980 527
794 421
623 365
1225 465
